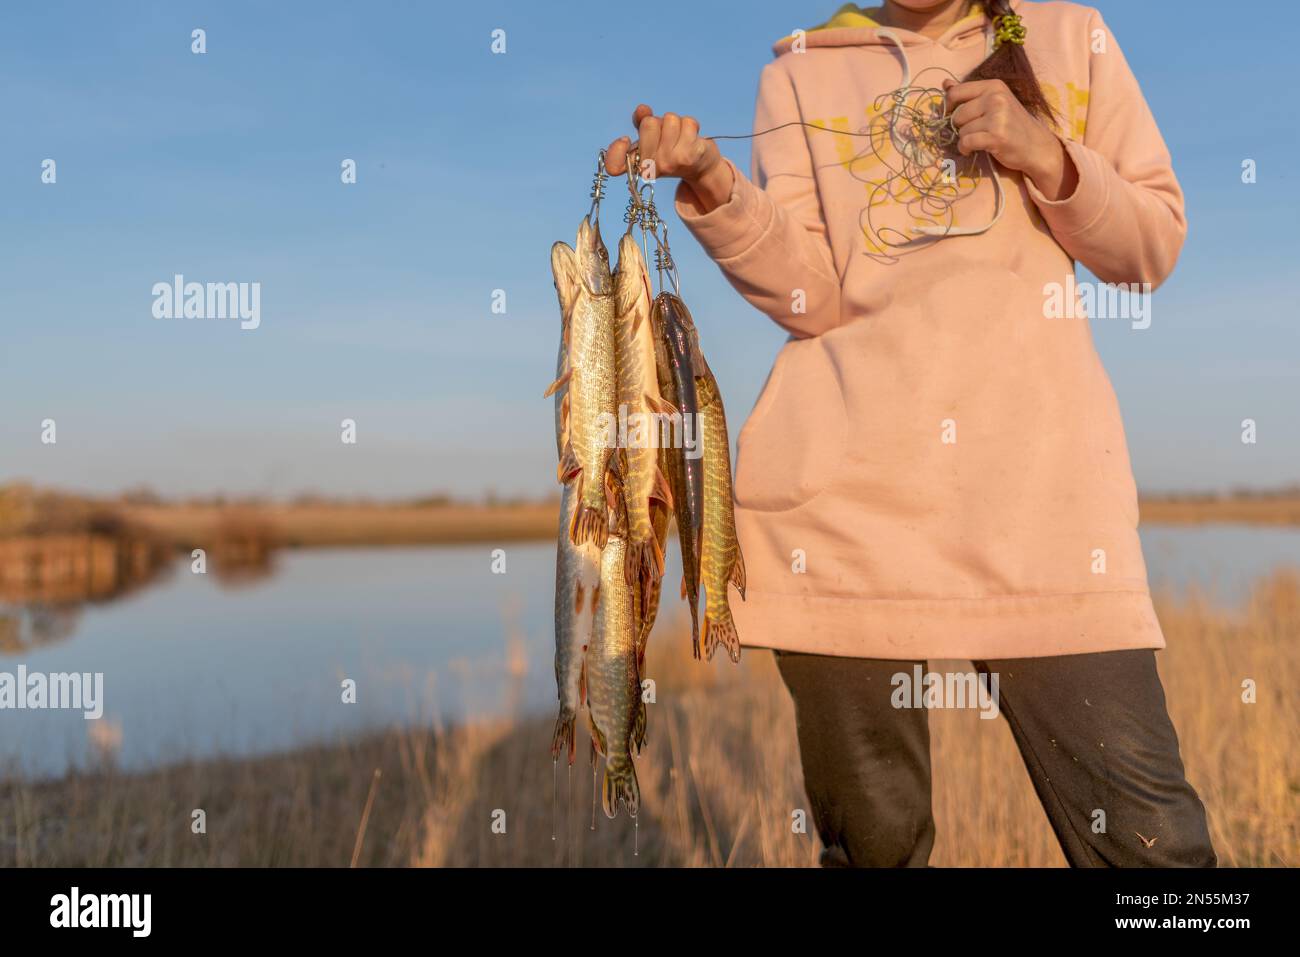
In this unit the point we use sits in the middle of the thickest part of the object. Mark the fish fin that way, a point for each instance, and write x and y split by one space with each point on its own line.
657 555
661 517
615 505
738 574
568 466
694 601
564 421
558 384
723 633
649 613
639 726
565 725
582 680
620 785
660 489
597 739
564 267
660 404
643 562
588 524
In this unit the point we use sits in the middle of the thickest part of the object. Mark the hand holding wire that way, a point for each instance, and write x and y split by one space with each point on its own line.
671 145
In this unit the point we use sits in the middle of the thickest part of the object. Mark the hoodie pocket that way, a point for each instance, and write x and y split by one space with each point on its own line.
794 440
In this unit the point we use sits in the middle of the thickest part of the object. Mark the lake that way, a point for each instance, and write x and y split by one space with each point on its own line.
194 668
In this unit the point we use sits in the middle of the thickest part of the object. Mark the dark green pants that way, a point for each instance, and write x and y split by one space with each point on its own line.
1092 729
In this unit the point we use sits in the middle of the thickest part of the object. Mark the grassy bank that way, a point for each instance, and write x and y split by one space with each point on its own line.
311 525
244 534
1281 508
307 526
720 777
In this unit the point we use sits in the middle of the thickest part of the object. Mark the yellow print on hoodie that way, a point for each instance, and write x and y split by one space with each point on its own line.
894 204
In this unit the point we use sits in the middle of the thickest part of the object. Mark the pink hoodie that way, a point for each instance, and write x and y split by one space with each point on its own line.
936 468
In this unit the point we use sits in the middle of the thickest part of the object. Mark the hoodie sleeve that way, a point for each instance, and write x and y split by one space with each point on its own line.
1125 219
769 239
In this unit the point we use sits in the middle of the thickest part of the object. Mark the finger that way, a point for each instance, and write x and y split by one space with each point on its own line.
616 156
650 128
982 124
969 143
959 93
640 113
969 111
670 133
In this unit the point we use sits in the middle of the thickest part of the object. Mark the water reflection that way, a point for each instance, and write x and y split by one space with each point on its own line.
193 667
25 628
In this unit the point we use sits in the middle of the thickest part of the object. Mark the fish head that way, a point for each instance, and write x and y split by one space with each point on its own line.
632 281
680 330
593 259
629 253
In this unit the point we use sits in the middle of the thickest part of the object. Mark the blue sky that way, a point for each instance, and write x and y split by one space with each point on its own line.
376 297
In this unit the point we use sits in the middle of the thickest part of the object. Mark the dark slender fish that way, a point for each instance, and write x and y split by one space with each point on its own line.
678 361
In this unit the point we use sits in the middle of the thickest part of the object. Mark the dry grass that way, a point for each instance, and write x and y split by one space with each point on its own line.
719 780
310 525
1280 508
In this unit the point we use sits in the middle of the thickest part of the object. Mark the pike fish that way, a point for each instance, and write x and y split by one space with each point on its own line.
614 707
577 587
585 288
721 562
677 355
638 399
577 567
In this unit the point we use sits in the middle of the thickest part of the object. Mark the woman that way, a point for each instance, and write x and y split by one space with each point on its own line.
936 468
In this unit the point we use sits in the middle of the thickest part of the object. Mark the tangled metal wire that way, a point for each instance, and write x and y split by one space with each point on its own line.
911 136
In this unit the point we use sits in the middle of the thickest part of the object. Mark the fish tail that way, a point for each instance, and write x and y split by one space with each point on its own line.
620 785
639 726
695 627
721 632
590 524
694 602
564 734
643 561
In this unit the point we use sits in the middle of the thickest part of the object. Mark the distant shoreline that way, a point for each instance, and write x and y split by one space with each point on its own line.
246 532
327 525
1274 510
307 526
316 526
